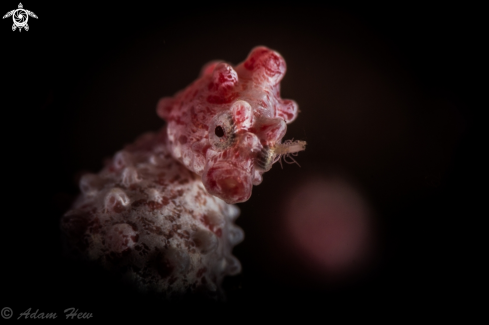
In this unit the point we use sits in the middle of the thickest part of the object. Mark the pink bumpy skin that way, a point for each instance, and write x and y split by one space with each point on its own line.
223 125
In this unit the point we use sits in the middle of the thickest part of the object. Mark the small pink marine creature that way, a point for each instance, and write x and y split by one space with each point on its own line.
228 125
147 214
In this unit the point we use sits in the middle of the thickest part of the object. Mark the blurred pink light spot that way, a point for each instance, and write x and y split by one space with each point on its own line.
329 222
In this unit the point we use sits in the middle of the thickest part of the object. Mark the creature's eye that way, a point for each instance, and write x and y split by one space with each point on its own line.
222 131
219 131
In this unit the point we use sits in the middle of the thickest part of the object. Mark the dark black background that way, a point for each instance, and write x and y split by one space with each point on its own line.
85 79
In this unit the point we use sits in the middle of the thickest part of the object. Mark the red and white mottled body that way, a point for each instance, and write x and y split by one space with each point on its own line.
228 120
147 213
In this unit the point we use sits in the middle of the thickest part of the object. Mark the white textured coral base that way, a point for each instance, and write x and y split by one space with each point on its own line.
149 217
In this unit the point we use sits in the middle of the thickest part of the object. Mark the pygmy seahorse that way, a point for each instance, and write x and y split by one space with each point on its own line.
150 216
228 125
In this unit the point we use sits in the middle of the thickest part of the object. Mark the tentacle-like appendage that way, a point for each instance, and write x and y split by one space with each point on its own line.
270 155
287 149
